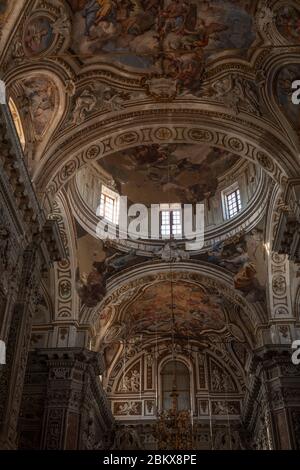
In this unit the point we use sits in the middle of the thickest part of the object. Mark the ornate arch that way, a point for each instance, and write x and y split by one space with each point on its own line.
190 126
124 288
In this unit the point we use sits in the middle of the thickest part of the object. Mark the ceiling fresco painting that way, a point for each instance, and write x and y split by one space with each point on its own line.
193 309
244 256
168 173
171 37
105 261
38 35
165 102
169 310
38 103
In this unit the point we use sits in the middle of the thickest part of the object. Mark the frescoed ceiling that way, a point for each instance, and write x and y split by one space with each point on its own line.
172 309
163 173
106 57
165 98
193 311
171 36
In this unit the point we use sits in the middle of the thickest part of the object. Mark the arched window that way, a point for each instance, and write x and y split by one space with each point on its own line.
175 373
17 122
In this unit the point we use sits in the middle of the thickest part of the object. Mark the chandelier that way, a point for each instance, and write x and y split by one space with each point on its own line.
173 429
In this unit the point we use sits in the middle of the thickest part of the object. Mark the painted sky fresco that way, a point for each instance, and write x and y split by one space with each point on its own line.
163 173
164 36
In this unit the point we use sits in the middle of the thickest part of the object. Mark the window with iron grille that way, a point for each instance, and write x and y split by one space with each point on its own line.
108 206
170 223
232 203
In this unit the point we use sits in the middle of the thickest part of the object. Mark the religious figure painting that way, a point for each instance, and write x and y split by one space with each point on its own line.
38 102
38 36
244 256
172 37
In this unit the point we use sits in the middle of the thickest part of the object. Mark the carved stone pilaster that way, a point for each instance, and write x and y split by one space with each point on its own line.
28 244
295 414
272 400
12 373
77 414
33 403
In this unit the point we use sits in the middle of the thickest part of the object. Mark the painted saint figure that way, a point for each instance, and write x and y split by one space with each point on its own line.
96 11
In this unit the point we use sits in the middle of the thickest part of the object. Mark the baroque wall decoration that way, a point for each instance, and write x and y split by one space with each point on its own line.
106 30
167 100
